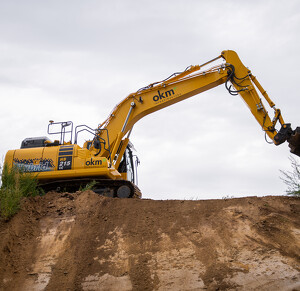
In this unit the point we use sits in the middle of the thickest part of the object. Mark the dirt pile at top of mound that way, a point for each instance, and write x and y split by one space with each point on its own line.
83 241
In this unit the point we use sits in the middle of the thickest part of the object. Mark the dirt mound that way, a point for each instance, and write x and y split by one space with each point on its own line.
83 241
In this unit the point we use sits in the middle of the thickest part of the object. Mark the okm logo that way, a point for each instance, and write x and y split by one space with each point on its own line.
163 95
92 162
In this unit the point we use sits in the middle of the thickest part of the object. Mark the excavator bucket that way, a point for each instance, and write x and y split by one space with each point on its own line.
294 142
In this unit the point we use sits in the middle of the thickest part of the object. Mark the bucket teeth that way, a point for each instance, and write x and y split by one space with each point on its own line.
294 142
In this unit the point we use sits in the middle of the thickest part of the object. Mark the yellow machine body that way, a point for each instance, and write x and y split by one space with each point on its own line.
63 161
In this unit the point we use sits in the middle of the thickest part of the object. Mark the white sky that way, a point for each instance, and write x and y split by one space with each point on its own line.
75 60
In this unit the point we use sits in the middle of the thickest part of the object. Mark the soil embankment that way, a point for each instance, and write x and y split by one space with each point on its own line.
83 241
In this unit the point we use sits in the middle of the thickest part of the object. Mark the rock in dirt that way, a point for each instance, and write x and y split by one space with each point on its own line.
84 241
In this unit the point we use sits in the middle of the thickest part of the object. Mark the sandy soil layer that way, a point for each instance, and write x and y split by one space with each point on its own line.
84 241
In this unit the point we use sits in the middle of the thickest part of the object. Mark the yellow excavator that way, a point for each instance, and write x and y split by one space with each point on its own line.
108 159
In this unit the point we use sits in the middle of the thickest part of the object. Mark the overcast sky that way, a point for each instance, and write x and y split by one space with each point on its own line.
75 60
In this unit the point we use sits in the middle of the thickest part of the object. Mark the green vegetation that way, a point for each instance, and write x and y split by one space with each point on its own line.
88 186
15 185
292 178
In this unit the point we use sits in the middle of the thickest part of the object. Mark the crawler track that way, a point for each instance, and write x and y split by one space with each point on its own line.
105 187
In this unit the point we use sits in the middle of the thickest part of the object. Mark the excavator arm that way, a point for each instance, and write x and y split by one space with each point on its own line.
238 80
246 85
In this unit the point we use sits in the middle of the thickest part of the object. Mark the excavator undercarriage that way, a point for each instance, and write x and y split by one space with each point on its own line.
105 187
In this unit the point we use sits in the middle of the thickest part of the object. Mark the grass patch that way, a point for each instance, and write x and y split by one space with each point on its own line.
292 178
15 185
88 186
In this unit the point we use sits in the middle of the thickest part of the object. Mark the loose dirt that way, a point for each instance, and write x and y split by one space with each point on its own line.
84 241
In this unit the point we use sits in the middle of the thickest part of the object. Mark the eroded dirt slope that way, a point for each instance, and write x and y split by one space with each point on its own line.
84 241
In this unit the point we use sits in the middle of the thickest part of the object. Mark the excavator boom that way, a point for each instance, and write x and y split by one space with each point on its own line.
238 80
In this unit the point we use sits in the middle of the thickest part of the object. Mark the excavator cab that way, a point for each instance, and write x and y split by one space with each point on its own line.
128 165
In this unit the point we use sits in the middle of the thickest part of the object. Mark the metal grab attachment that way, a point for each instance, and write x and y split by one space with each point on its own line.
291 136
294 142
283 134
